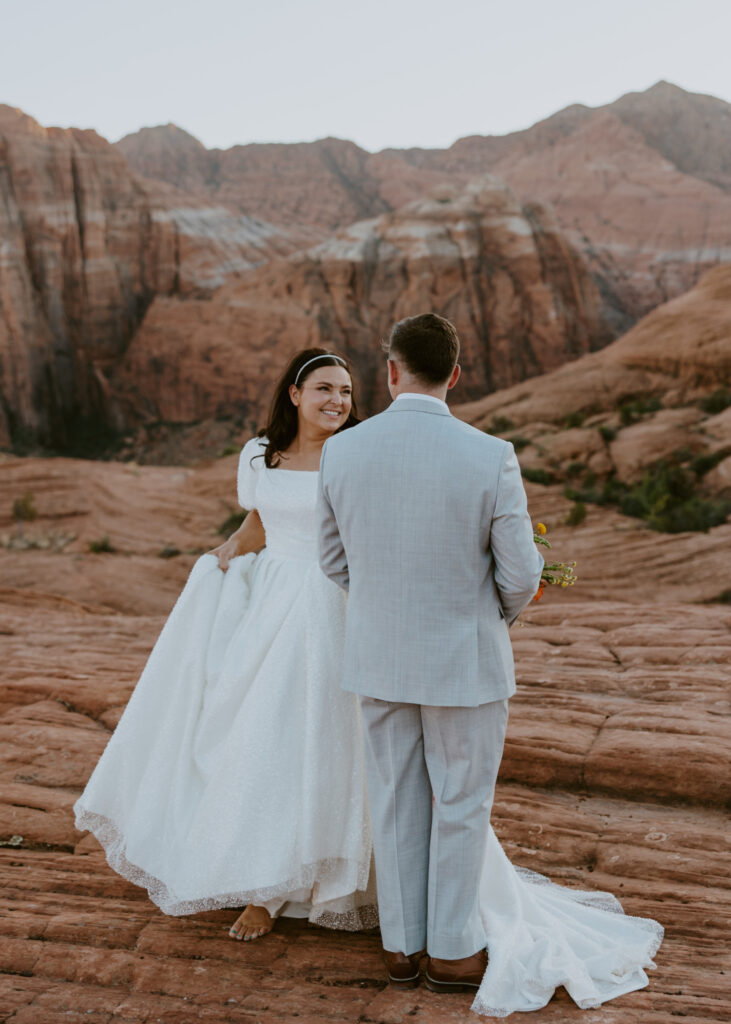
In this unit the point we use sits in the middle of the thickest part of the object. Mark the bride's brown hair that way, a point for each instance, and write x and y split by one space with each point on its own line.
282 426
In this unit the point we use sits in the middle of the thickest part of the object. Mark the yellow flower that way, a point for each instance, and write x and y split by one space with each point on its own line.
541 528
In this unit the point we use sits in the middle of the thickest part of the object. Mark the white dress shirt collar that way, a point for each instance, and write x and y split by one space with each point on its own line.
426 398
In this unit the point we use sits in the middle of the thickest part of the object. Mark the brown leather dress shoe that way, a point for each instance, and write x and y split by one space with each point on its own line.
456 975
403 971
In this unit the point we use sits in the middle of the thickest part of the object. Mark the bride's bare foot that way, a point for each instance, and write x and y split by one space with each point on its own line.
252 924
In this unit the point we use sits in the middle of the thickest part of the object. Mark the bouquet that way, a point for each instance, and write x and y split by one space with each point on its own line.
555 574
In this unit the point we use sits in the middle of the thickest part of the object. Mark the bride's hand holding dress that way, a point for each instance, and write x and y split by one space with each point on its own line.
249 538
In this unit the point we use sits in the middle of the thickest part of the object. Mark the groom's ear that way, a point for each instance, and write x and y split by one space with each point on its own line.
393 372
456 374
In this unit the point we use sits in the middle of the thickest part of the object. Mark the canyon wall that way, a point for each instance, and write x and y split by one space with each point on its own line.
640 186
520 296
84 248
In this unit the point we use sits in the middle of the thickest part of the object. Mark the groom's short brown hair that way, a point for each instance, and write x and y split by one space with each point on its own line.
427 345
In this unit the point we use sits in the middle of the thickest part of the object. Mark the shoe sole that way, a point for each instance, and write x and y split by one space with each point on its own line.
449 986
405 983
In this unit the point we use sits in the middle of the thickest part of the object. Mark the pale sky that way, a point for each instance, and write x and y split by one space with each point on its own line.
380 72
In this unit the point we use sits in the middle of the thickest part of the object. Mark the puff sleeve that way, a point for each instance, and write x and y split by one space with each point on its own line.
249 471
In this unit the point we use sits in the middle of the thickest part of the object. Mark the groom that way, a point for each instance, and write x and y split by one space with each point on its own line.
423 520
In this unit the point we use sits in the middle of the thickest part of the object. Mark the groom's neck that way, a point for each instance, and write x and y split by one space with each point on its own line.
412 387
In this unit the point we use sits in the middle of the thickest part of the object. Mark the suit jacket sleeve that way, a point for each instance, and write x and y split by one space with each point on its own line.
333 560
518 563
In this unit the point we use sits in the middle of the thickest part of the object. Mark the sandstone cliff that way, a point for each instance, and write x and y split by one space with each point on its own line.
326 183
85 248
641 186
659 394
521 298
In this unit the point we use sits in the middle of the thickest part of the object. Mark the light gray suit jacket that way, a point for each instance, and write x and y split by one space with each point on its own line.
424 520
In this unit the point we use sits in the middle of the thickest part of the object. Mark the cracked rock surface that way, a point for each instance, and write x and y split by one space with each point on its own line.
615 772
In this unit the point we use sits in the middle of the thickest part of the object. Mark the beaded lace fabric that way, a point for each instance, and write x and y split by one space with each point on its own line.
236 775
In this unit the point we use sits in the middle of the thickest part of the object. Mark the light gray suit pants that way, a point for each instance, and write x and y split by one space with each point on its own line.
429 860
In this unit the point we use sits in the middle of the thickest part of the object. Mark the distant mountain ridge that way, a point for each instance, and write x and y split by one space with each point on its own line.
692 130
642 186
158 281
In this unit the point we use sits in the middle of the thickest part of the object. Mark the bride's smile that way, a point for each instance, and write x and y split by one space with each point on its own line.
324 400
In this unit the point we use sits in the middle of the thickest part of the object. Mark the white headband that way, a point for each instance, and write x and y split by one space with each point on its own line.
324 355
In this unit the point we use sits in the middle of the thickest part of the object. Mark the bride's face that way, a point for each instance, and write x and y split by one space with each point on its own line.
324 398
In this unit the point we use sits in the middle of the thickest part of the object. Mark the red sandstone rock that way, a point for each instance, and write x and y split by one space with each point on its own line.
519 295
613 773
86 247
326 183
677 355
633 183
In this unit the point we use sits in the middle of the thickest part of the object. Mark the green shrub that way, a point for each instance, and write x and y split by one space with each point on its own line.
575 468
103 546
538 476
611 492
716 402
633 410
607 433
230 449
24 509
499 425
724 597
574 419
665 498
682 455
519 443
705 462
232 523
169 551
576 514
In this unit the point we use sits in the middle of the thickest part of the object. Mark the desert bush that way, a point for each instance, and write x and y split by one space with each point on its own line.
103 546
519 443
665 498
232 523
574 419
230 449
682 454
607 433
538 475
575 468
499 425
24 509
631 411
169 551
705 462
716 402
576 514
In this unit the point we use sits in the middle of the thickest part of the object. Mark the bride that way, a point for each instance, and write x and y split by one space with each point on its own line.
235 776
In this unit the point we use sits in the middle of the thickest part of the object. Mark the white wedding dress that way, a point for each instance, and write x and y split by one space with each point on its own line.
236 775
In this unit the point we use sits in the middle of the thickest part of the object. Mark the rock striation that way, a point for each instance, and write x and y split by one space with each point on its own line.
520 296
640 186
614 777
327 183
86 246
660 392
